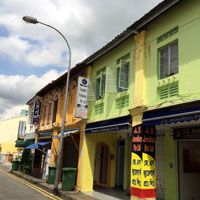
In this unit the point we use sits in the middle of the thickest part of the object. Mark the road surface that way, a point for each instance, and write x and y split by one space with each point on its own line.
15 188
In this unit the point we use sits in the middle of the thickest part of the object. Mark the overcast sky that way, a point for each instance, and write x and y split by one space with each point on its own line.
33 55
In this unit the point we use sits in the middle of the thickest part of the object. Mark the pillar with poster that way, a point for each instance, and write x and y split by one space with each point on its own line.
143 171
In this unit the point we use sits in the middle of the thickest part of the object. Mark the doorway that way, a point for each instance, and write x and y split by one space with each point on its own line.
102 165
189 169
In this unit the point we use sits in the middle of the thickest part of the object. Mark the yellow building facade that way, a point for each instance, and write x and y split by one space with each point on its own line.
9 134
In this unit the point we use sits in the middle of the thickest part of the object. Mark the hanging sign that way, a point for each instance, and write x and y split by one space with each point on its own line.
21 129
36 114
82 98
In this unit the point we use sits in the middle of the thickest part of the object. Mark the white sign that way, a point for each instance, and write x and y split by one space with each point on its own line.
21 129
82 98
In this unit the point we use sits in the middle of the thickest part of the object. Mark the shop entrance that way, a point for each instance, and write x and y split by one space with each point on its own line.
71 151
189 169
102 165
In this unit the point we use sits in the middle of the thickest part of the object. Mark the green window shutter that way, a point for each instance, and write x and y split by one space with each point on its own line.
92 90
169 90
111 80
173 89
102 85
124 74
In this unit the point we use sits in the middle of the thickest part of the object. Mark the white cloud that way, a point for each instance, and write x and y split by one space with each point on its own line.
17 90
87 24
13 47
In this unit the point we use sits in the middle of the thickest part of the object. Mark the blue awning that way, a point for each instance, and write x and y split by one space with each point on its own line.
109 125
37 145
172 114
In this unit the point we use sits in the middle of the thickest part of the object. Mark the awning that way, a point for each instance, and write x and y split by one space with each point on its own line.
110 125
37 145
174 114
68 132
23 143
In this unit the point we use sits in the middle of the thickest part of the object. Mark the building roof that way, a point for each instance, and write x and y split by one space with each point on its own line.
133 29
60 81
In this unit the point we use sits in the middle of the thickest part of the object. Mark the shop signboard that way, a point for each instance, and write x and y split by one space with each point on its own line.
82 98
21 129
143 171
186 133
36 114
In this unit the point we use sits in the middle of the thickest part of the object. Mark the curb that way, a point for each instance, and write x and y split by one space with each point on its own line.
67 194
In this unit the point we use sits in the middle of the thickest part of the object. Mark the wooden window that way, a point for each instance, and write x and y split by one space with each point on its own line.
49 111
100 84
55 106
44 113
123 75
111 80
169 60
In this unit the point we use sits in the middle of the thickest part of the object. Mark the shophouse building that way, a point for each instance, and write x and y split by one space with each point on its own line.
162 98
49 128
142 129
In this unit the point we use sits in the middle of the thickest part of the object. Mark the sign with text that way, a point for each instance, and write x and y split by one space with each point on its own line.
82 98
143 170
36 114
21 129
186 133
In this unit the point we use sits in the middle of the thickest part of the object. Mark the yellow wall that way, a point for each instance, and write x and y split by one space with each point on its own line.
8 133
88 158
139 104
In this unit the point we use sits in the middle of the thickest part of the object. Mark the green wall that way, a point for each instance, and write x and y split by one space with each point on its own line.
186 16
109 60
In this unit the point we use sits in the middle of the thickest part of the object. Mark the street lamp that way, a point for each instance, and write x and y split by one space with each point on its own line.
32 20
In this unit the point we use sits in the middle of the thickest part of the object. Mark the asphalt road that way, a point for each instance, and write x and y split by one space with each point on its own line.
15 188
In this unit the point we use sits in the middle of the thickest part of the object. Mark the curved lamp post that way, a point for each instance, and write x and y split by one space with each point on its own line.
32 20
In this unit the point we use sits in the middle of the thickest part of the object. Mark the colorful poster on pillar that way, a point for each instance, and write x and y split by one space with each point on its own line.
143 172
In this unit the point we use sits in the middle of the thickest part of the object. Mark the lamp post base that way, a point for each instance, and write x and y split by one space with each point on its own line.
55 191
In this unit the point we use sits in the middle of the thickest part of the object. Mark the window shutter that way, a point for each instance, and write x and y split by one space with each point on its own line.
124 74
91 90
164 62
111 80
174 59
102 84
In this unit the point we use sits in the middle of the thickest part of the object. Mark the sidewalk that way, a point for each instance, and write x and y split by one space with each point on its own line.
73 195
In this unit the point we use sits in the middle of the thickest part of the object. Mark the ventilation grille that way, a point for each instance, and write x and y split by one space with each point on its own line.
122 102
98 109
168 90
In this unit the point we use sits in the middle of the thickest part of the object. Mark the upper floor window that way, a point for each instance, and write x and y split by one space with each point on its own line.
123 76
55 106
109 80
44 113
169 60
49 111
100 84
